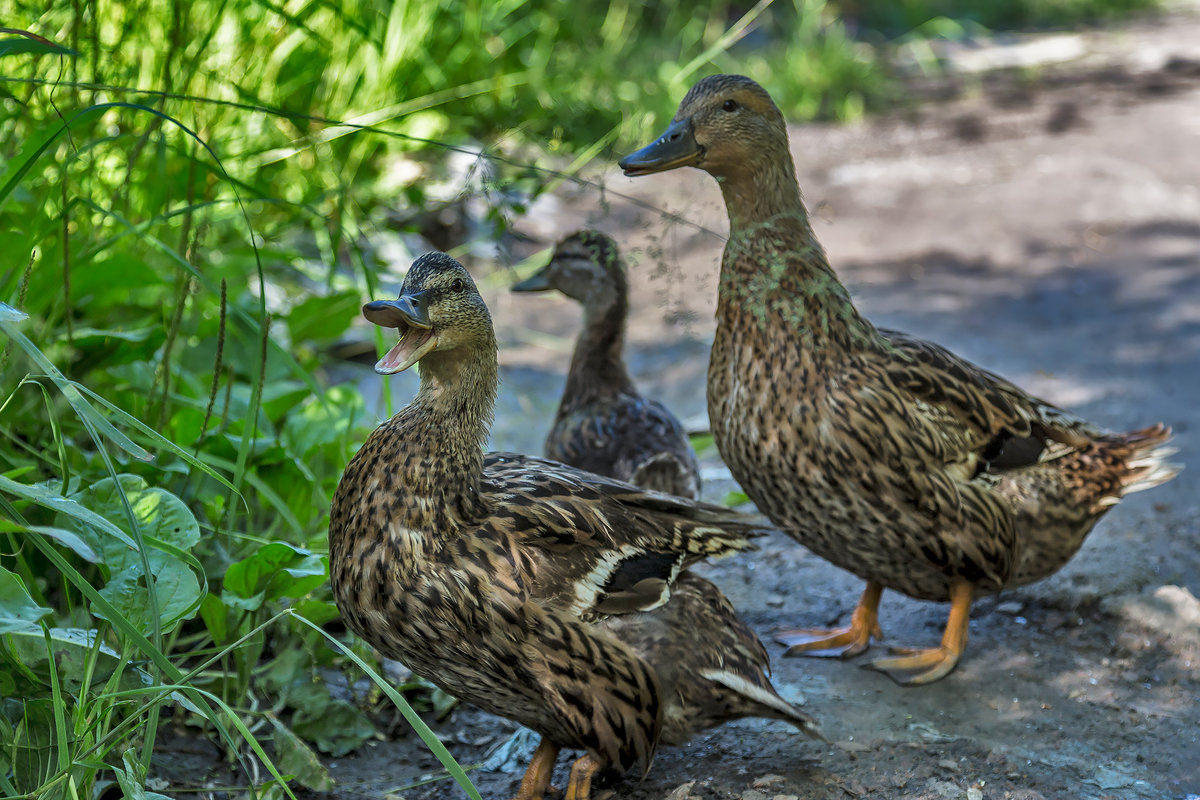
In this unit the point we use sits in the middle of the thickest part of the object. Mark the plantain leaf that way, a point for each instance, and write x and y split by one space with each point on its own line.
294 757
277 570
170 531
18 611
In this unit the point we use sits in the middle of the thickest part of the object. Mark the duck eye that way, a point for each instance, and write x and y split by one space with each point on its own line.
730 105
458 285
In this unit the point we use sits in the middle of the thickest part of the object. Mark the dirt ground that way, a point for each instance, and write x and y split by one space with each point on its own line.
1047 230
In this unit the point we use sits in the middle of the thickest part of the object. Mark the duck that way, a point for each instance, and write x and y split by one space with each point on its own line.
540 592
885 454
603 424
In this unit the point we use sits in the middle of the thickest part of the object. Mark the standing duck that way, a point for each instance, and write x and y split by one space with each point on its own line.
552 596
889 456
603 425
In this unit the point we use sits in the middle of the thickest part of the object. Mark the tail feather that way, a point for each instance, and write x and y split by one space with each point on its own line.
767 702
1145 464
665 472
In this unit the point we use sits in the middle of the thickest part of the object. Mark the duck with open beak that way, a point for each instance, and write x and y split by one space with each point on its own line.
408 314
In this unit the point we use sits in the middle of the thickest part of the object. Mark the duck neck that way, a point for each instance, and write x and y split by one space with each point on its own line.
597 368
774 270
767 190
445 429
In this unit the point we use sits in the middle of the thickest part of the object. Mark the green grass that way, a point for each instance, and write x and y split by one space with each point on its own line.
189 194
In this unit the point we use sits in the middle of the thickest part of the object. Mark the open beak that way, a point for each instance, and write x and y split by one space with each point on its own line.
409 314
675 148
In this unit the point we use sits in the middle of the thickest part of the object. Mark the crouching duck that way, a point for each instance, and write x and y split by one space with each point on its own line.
889 456
539 592
603 423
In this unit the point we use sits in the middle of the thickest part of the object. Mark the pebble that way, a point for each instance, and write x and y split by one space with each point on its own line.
1109 778
681 792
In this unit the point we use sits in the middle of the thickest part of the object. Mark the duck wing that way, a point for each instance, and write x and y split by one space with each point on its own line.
980 421
599 545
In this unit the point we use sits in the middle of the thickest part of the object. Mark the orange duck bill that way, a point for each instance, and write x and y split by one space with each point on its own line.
408 314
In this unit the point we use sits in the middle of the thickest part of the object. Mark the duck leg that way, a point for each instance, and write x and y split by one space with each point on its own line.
537 774
579 787
914 667
840 642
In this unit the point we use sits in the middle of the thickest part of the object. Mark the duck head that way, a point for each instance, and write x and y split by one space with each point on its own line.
439 310
584 266
724 123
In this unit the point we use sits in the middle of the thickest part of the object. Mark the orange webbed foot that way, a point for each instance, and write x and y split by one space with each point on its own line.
537 775
840 642
917 667
579 787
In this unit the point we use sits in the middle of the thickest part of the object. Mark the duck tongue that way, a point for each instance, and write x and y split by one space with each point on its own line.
415 343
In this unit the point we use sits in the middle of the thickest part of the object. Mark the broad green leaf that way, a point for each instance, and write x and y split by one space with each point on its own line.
69 540
323 319
34 746
18 611
161 517
73 649
338 729
318 612
735 498
198 698
131 781
216 618
169 529
297 758
176 589
443 702
110 277
81 517
277 570
158 438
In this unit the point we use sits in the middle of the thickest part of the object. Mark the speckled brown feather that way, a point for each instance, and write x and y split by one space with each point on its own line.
887 455
603 424
532 589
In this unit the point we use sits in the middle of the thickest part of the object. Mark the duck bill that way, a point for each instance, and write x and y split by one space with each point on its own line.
414 344
677 147
409 315
538 282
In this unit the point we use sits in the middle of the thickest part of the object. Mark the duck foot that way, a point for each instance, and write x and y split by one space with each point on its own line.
537 775
839 642
579 786
916 667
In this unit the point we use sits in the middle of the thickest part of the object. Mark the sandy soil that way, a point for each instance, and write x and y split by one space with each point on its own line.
1050 233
